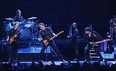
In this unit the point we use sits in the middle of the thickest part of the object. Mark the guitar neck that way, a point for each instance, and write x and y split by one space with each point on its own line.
99 42
57 35
54 36
103 41
17 33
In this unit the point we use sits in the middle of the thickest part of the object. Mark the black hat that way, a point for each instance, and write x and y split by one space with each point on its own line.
88 29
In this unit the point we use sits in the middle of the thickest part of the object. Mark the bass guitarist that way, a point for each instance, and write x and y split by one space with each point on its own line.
12 39
46 33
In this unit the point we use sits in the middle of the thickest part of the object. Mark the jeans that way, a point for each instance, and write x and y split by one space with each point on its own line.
54 48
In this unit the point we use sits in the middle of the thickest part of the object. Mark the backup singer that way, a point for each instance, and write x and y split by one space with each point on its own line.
46 33
74 36
13 45
91 36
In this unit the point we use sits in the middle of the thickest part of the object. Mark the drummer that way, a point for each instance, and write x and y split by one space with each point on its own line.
18 17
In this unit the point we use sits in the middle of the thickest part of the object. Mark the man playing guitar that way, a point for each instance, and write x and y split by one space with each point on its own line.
45 34
12 39
92 38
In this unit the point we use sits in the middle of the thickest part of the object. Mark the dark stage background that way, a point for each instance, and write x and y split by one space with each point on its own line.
96 12
61 13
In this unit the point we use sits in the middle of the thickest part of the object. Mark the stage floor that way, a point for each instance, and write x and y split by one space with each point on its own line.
66 62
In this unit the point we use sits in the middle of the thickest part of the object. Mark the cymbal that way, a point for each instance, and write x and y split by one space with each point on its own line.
19 23
32 18
9 19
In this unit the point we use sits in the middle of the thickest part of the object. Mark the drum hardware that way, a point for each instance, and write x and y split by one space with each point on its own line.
112 28
20 23
33 33
29 31
31 24
9 19
32 18
29 27
8 24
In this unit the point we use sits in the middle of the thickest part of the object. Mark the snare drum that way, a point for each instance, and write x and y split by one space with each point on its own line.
27 25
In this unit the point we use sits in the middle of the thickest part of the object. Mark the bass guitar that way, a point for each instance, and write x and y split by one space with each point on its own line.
11 39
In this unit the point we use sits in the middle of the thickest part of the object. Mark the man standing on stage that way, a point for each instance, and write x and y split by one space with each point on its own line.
90 37
74 36
12 38
47 33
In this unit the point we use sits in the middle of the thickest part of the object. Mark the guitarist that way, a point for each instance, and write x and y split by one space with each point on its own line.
46 33
90 37
13 44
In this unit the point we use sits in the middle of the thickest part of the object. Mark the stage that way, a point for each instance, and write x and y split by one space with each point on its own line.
58 63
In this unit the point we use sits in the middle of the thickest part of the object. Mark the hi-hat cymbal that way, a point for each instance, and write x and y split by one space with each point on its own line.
31 18
9 19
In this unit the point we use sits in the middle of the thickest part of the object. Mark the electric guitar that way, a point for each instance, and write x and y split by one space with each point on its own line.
96 43
46 41
11 39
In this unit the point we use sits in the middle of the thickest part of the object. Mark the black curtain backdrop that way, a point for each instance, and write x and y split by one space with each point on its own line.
61 11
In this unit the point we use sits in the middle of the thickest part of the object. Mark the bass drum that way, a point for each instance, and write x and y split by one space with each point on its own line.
25 34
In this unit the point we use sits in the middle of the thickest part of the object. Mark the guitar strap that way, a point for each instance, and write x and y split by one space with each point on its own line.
16 31
94 35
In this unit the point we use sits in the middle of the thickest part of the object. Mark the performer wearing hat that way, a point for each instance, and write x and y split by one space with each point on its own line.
90 37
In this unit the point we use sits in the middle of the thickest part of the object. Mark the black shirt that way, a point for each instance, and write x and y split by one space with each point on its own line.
75 35
46 34
93 38
12 32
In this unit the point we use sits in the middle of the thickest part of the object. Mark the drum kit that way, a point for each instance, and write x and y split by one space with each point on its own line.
29 27
113 28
